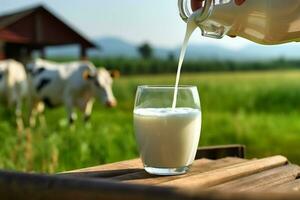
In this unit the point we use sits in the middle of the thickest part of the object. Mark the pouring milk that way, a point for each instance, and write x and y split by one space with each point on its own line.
191 26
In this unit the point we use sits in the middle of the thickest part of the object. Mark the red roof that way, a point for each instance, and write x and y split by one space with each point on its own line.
39 27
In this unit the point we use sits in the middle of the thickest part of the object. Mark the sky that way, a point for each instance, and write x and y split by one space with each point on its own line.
154 21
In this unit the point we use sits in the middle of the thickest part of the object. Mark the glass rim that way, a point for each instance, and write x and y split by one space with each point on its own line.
166 86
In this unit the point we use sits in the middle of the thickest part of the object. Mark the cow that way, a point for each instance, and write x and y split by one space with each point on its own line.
13 86
73 84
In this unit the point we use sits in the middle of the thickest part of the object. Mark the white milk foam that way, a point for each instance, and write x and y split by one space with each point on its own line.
191 26
164 112
167 137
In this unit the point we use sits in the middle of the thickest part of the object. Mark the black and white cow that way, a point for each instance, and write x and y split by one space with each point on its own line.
13 86
73 84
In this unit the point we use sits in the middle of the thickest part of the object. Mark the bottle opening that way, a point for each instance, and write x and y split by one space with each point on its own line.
196 4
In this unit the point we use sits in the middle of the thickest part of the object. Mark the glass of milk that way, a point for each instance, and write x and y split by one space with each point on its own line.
167 136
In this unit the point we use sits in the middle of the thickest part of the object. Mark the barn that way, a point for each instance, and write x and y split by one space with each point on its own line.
33 29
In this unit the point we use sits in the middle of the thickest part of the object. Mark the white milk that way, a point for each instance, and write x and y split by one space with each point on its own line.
167 137
191 26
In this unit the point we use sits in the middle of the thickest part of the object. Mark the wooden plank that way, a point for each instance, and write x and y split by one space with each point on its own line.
221 151
135 165
127 164
199 166
292 186
262 181
36 186
138 177
222 175
108 170
231 195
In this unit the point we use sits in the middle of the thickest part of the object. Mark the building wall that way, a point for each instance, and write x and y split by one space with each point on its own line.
2 54
16 51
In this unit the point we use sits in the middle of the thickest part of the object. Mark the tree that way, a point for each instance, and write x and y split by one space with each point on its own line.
145 50
171 56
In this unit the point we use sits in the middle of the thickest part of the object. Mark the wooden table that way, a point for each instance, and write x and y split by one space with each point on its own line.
217 173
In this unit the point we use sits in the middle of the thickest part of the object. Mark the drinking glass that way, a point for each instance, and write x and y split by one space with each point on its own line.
167 137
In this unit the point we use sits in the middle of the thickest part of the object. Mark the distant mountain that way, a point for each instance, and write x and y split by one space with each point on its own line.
115 47
255 51
250 52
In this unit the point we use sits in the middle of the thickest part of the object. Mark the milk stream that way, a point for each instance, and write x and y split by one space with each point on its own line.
191 26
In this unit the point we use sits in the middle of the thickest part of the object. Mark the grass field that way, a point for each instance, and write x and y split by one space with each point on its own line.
258 109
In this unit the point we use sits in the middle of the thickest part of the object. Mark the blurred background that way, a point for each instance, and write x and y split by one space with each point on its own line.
250 94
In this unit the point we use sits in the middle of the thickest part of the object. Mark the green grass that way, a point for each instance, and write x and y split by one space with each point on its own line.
258 109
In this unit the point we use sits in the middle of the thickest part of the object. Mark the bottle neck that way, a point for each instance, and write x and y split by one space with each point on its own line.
200 12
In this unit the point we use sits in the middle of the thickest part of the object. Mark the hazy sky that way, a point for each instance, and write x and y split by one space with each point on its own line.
154 21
